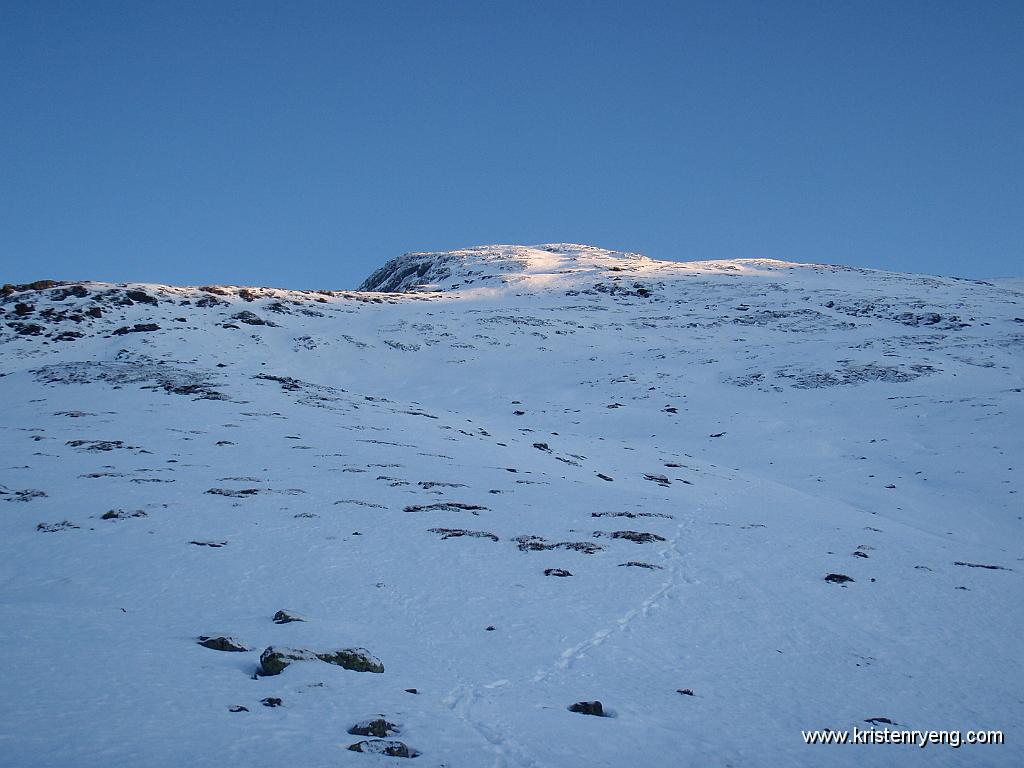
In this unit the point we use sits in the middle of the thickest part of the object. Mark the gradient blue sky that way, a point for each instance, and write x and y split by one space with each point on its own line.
302 144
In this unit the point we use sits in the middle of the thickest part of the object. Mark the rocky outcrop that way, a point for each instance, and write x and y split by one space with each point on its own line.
273 661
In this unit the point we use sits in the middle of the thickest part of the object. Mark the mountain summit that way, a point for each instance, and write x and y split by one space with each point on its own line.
511 505
498 263
529 267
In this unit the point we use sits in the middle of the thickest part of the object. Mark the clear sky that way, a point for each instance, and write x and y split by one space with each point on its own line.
301 144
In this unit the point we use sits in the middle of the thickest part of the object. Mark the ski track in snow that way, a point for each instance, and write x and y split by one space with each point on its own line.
507 751
673 559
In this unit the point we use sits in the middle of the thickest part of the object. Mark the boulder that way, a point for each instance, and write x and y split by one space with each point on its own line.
838 578
588 708
273 661
377 727
356 659
221 643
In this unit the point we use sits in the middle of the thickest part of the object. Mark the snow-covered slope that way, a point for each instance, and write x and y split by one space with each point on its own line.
698 445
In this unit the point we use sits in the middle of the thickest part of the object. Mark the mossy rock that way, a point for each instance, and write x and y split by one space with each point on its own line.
356 659
221 643
273 661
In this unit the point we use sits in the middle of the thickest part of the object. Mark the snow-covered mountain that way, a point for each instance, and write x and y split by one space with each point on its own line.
516 478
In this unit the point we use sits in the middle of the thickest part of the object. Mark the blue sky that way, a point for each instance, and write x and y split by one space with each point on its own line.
302 144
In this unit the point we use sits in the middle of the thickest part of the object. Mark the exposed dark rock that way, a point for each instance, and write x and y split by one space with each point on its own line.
141 297
403 347
594 708
238 708
214 544
410 272
355 659
618 290
98 445
137 328
980 565
638 564
638 537
539 543
286 617
221 643
251 318
120 514
25 494
450 533
378 728
240 493
64 525
38 285
384 747
556 572
631 515
684 691
838 578
850 374
446 506
150 374
659 479
273 661
271 701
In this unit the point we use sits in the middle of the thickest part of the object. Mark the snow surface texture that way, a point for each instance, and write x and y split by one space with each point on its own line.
535 477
